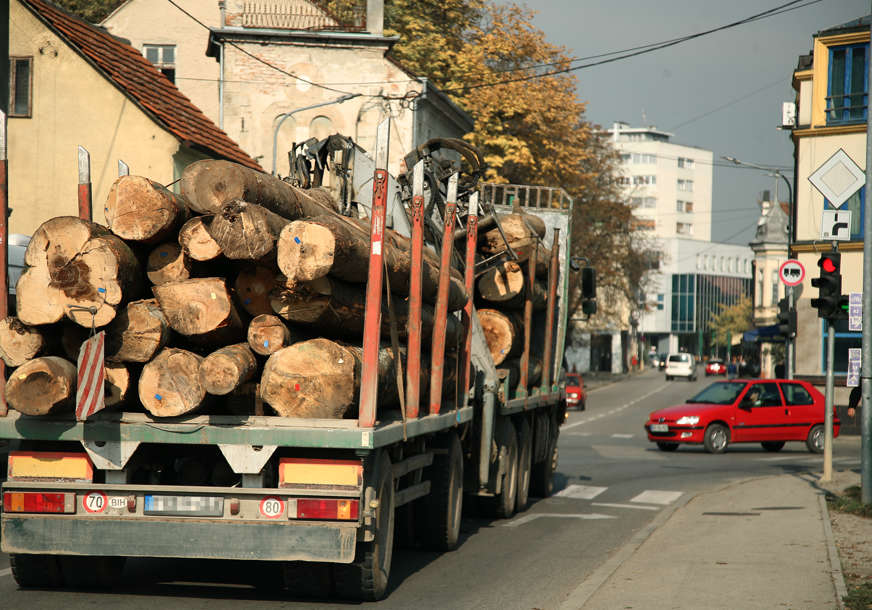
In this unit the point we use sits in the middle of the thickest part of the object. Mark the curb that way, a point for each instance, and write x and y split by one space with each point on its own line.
833 554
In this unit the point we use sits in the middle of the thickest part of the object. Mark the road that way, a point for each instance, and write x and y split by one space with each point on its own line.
612 484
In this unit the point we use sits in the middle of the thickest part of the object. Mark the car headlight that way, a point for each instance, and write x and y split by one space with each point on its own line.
688 420
573 395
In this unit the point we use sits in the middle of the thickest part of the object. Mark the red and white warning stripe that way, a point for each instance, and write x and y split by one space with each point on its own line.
89 391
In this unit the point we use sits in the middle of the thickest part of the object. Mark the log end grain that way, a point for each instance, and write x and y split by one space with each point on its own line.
267 334
42 385
169 385
139 209
196 241
227 368
167 263
305 251
19 342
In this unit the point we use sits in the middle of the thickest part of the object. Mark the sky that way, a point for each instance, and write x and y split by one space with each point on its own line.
722 92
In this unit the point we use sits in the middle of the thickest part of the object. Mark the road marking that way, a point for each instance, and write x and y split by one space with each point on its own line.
5 572
636 506
622 436
528 518
579 433
581 492
615 410
655 496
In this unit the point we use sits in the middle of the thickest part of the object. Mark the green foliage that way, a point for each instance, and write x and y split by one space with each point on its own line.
732 319
93 11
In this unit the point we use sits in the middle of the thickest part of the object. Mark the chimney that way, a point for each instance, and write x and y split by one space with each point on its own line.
375 17
222 9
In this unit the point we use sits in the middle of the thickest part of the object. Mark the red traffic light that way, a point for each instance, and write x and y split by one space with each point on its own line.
828 265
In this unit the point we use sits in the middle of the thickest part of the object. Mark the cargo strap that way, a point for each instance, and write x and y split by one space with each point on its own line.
395 347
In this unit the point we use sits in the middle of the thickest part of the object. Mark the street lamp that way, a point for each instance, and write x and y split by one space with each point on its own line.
285 115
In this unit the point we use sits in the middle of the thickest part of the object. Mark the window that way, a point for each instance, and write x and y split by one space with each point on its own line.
624 180
685 186
845 340
760 288
641 180
775 282
659 302
644 158
847 87
644 224
769 395
625 157
685 163
684 228
163 56
20 86
795 394
856 204
684 206
643 202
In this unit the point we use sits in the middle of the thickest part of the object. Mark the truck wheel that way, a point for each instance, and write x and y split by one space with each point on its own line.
366 578
303 579
502 505
542 479
92 572
41 571
440 527
525 456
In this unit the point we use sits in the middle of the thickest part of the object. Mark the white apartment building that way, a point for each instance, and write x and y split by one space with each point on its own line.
669 185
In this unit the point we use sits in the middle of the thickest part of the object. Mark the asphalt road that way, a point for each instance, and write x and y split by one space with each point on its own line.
611 484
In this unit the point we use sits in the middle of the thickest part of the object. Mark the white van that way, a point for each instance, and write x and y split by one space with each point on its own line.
681 365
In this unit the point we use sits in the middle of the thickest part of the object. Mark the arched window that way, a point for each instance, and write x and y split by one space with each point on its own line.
320 127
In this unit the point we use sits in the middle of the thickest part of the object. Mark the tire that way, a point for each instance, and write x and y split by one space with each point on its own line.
815 439
366 578
717 437
92 572
668 378
502 506
667 446
773 445
36 571
303 579
442 509
542 479
525 463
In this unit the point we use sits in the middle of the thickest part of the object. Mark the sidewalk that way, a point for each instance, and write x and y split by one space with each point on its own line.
758 543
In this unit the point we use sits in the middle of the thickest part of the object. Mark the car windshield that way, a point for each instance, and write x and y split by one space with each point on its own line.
716 361
573 380
720 393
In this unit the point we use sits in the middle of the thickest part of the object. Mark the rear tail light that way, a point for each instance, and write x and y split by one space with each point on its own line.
324 508
38 502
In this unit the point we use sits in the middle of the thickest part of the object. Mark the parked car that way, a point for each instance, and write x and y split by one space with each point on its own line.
661 360
769 412
681 365
715 366
576 397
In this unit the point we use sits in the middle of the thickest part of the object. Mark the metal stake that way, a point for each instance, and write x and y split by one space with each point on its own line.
866 364
828 414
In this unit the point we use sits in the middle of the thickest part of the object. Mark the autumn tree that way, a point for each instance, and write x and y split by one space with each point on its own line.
92 11
731 321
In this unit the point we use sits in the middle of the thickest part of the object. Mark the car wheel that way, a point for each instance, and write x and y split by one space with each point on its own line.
815 440
773 445
667 446
717 437
668 378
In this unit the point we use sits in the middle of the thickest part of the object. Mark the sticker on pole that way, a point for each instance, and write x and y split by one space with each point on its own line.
272 507
91 373
855 312
855 360
791 272
95 502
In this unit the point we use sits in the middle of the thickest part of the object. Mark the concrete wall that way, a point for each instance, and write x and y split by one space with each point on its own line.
73 105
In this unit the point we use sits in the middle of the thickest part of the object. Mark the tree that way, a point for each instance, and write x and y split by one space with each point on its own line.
731 320
93 11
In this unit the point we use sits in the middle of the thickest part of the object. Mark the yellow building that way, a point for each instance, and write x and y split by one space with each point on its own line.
75 85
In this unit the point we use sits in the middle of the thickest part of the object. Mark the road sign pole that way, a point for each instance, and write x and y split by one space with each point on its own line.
866 364
789 340
828 414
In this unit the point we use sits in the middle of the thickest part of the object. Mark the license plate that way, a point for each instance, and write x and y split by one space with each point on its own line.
659 427
202 506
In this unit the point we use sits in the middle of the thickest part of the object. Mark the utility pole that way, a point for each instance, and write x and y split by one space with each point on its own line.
866 363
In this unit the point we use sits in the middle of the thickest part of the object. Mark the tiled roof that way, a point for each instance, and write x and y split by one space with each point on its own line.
134 75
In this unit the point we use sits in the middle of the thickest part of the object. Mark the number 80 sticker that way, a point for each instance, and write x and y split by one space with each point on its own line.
95 502
272 507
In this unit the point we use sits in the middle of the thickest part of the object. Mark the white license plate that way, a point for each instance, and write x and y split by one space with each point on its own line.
659 427
203 506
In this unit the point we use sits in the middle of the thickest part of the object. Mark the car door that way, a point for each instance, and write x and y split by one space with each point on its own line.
765 419
800 409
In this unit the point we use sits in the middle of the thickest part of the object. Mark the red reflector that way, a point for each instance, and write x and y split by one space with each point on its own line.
327 509
33 502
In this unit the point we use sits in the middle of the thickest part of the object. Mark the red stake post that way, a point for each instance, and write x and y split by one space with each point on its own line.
372 317
528 322
84 184
440 322
549 315
4 248
413 357
468 280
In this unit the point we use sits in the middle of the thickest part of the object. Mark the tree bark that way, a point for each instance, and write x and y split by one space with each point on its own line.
338 309
201 309
138 332
118 383
19 342
268 334
246 231
227 368
523 232
42 385
141 210
253 286
170 384
504 333
167 263
505 286
196 241
75 263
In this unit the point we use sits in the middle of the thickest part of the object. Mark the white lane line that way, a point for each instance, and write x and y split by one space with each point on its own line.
528 518
656 496
636 506
622 436
617 409
579 433
581 492
5 572
781 458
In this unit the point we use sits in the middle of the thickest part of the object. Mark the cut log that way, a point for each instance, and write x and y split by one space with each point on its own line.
42 385
170 384
306 250
227 368
118 383
505 285
246 231
201 309
167 263
523 232
138 332
503 332
196 241
268 334
338 309
321 379
75 263
141 210
512 369
253 286
19 342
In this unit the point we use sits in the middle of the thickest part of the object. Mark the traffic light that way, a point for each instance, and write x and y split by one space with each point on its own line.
786 319
588 290
829 285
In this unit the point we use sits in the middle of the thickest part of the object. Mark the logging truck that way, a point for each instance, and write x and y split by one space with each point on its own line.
305 387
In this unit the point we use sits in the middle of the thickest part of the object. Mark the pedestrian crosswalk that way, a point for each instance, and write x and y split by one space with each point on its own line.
651 499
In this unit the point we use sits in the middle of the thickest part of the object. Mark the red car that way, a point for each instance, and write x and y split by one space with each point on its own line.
715 367
576 397
770 412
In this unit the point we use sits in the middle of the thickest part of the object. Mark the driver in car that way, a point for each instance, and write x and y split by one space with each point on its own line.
753 397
